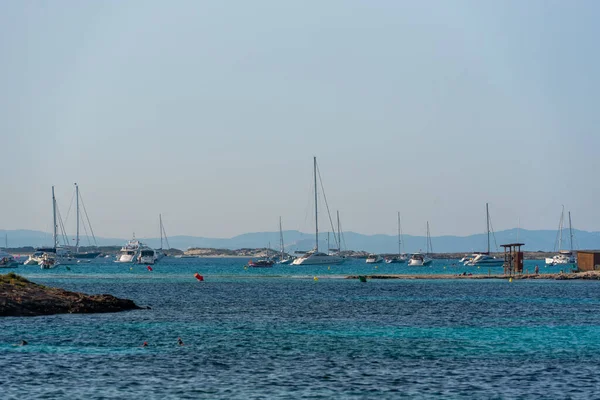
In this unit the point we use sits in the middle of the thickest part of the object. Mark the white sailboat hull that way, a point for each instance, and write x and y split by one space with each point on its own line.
125 258
374 259
323 259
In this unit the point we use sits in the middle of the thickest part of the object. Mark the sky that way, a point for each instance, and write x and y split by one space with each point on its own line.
210 112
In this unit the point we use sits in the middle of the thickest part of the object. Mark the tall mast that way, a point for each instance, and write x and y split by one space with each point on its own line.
77 211
560 227
316 208
428 238
281 239
339 235
399 241
161 230
54 237
570 231
487 220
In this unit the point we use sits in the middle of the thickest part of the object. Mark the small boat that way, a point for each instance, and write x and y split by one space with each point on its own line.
48 261
374 259
7 260
314 257
418 259
261 263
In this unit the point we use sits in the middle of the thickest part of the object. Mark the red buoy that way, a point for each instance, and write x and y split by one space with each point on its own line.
149 267
199 277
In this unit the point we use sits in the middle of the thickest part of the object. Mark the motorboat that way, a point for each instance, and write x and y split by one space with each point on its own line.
129 252
315 257
49 261
374 259
7 260
399 259
485 259
147 256
261 263
418 259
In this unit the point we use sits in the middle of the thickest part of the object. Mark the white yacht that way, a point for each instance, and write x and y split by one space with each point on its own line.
485 259
563 256
418 259
374 259
147 256
400 259
35 258
129 252
314 257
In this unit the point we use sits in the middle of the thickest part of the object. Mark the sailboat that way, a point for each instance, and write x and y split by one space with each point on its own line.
400 258
283 258
56 255
314 257
563 256
160 253
78 254
484 258
418 259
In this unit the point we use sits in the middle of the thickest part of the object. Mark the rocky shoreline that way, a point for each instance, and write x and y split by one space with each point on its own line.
21 297
591 275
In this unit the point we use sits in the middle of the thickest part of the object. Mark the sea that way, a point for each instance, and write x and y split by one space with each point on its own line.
293 332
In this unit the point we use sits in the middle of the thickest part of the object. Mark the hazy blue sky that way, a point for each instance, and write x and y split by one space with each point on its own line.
210 112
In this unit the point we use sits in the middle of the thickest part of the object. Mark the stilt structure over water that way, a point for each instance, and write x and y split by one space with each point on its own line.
513 258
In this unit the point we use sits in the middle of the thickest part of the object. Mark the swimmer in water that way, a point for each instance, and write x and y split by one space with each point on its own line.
179 341
145 344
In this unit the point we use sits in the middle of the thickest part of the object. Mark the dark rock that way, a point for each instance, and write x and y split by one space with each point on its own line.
20 297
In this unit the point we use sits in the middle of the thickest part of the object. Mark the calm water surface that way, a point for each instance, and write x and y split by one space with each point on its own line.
277 333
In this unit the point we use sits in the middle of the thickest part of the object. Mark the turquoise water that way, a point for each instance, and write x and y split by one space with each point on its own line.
277 333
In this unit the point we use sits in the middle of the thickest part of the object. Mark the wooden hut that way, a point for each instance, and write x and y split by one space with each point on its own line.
588 260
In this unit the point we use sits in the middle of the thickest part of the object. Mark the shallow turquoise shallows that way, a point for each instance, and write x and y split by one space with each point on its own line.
278 333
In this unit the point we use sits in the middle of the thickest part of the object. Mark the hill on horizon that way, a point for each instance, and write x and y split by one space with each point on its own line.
535 240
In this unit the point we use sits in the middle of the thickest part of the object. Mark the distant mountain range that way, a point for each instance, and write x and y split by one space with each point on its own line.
543 240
